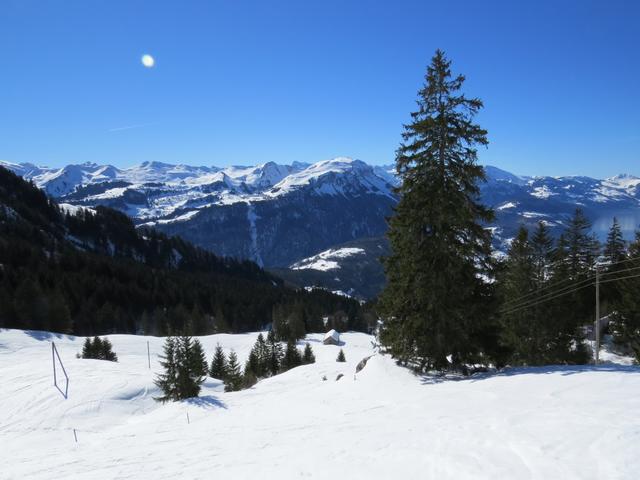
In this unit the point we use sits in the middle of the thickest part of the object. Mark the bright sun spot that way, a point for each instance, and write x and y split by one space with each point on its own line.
148 61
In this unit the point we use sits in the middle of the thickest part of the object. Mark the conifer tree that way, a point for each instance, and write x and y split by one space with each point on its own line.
542 253
262 353
59 314
198 360
626 324
234 374
573 260
87 349
435 298
291 357
614 249
106 351
97 347
308 356
189 368
275 353
520 329
258 362
582 246
252 365
219 364
341 357
297 328
167 381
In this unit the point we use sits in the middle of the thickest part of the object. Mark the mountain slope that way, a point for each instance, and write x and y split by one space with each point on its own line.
352 268
92 271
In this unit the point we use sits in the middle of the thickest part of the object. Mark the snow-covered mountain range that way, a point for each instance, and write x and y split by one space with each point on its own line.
280 215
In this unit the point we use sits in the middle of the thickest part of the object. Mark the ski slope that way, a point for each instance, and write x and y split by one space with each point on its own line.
537 423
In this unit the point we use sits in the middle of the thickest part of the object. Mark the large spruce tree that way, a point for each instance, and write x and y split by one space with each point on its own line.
435 299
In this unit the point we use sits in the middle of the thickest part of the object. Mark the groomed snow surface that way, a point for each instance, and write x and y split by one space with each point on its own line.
537 423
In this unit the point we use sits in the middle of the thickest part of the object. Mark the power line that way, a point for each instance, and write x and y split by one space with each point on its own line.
621 278
562 293
541 297
553 285
619 271
522 307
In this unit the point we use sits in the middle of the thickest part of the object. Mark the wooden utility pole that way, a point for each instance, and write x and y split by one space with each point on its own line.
597 324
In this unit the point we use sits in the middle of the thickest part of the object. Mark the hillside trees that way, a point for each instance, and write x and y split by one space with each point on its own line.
93 273
626 324
435 299
536 285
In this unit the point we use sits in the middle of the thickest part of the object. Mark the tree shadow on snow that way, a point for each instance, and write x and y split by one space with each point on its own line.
564 370
42 335
206 401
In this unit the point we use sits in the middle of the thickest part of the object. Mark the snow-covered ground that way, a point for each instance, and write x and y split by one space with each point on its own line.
537 423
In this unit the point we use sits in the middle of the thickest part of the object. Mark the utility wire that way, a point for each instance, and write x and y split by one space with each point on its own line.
533 303
619 271
545 300
547 287
621 278
553 285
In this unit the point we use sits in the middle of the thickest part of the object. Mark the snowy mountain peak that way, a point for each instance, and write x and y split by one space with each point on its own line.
624 180
497 174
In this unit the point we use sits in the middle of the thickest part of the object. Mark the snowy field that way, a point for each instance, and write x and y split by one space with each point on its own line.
542 423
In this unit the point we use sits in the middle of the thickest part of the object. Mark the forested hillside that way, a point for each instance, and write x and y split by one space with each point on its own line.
90 271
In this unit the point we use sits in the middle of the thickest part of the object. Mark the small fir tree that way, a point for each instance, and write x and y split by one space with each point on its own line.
219 364
308 356
341 357
292 357
98 349
541 252
189 368
275 353
87 349
234 374
198 360
614 249
167 381
106 351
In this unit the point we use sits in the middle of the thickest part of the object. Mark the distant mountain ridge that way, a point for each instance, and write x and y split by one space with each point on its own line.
279 215
91 271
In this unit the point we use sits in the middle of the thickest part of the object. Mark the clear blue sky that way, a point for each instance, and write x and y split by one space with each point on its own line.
239 82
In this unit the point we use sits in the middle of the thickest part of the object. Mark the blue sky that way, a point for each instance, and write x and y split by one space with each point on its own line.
244 82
